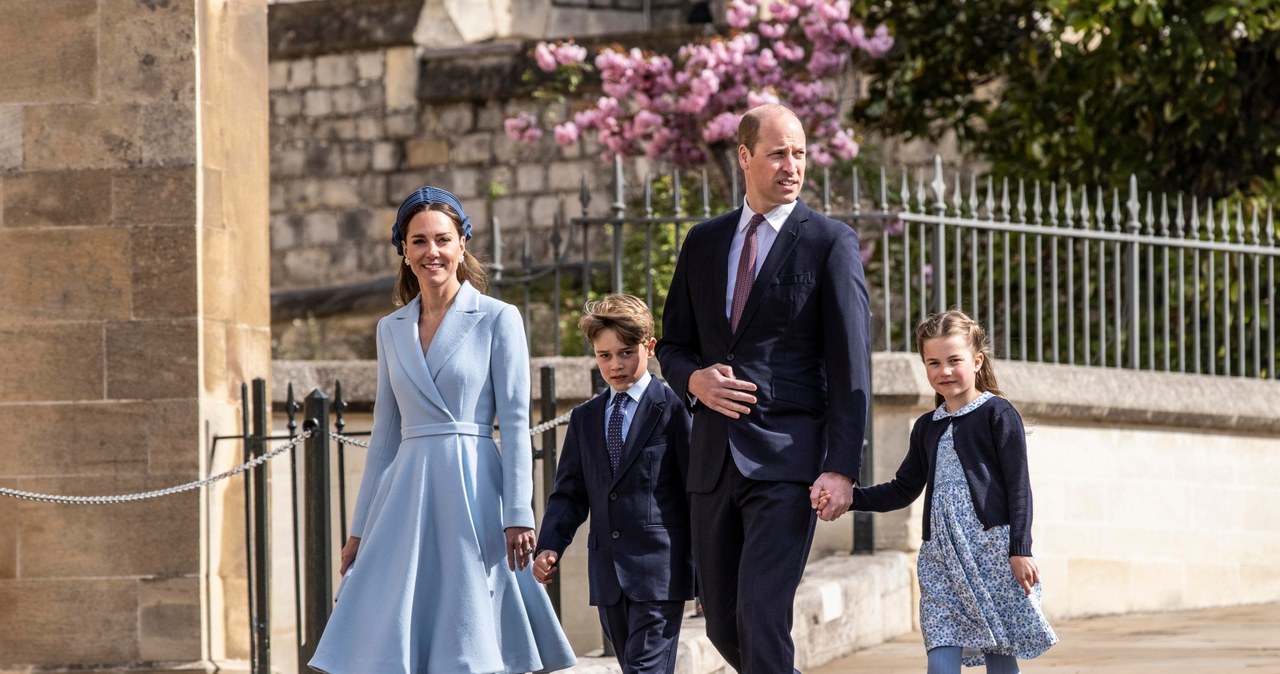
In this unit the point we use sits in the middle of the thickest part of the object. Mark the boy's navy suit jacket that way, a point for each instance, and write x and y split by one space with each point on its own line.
639 538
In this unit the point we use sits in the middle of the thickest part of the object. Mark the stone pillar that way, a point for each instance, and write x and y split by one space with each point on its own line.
133 302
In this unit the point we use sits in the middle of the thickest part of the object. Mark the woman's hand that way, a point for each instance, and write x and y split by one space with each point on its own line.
520 542
1025 572
544 567
349 554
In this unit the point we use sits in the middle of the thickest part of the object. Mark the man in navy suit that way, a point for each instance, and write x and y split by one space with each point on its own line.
766 336
624 461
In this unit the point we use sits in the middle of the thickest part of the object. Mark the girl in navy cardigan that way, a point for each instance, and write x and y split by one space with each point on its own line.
979 584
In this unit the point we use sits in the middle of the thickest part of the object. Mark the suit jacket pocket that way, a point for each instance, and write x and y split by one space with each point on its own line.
794 279
798 394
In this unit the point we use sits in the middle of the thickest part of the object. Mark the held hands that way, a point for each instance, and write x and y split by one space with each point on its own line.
1025 572
349 554
831 495
717 388
544 567
520 542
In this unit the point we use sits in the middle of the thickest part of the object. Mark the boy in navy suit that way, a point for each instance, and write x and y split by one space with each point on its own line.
624 463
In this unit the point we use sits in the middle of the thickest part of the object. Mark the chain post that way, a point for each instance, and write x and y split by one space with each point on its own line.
317 519
548 383
246 446
340 425
261 588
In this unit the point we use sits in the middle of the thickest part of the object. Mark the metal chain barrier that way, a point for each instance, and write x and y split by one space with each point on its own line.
249 465
140 496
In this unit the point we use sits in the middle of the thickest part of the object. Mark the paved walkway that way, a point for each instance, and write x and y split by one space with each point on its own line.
1209 641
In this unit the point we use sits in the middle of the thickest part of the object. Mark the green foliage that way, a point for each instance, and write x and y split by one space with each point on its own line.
1183 94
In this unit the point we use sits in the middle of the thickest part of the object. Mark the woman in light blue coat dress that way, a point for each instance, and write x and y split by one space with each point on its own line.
436 576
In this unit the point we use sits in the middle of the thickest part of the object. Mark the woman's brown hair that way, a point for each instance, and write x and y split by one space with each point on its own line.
955 322
470 267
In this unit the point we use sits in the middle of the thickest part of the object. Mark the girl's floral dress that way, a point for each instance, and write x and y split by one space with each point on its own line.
968 595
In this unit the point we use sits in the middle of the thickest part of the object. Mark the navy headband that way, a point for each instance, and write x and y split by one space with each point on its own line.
422 197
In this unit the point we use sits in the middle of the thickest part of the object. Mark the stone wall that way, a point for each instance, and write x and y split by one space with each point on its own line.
133 299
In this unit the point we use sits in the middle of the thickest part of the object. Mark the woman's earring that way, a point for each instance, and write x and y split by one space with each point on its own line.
406 261
462 255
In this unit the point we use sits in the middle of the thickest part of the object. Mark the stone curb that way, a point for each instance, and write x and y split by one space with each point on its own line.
845 603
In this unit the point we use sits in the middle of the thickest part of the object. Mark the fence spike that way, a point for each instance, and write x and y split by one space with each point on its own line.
906 193
1036 210
957 200
1254 230
1271 226
619 188
1004 199
1053 204
973 196
1226 221
857 192
1133 204
1022 201
991 200
648 196
1209 224
1150 219
1100 211
1164 214
1179 220
1194 231
1240 221
1116 215
677 200
733 185
584 195
706 196
884 190
826 191
922 198
939 186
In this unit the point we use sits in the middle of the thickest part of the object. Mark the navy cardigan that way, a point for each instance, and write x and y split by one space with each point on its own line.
992 446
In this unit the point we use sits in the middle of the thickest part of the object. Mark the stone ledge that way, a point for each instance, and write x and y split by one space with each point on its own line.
1103 395
845 603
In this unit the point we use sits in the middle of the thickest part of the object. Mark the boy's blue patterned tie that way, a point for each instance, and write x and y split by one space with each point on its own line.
613 434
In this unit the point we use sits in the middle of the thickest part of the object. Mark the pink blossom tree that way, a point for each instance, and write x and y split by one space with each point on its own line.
684 109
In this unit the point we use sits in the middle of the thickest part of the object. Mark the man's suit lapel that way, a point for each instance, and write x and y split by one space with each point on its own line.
595 456
782 247
648 413
719 281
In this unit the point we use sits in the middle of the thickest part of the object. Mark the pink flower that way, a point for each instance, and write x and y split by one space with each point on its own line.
739 14
570 53
819 156
723 126
523 128
784 13
646 122
544 57
844 146
566 134
772 31
881 43
788 51
834 11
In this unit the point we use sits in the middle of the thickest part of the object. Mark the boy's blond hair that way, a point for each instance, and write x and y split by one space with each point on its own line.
627 315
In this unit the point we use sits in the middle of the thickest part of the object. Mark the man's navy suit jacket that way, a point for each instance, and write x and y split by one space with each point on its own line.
803 340
639 538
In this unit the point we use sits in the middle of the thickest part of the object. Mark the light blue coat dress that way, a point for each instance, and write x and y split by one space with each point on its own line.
430 591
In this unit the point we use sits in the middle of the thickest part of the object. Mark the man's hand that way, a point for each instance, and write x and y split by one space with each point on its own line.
717 388
837 499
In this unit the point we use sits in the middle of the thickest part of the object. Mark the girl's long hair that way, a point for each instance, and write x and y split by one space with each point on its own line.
471 268
955 322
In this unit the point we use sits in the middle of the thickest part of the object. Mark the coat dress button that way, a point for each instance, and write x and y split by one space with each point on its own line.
616 535
730 356
613 496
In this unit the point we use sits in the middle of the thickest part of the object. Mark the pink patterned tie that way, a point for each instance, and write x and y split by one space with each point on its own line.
746 273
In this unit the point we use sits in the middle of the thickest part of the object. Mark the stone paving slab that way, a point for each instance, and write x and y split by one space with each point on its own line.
1205 641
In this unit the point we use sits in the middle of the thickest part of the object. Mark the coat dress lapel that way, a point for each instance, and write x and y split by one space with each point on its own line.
648 413
457 325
